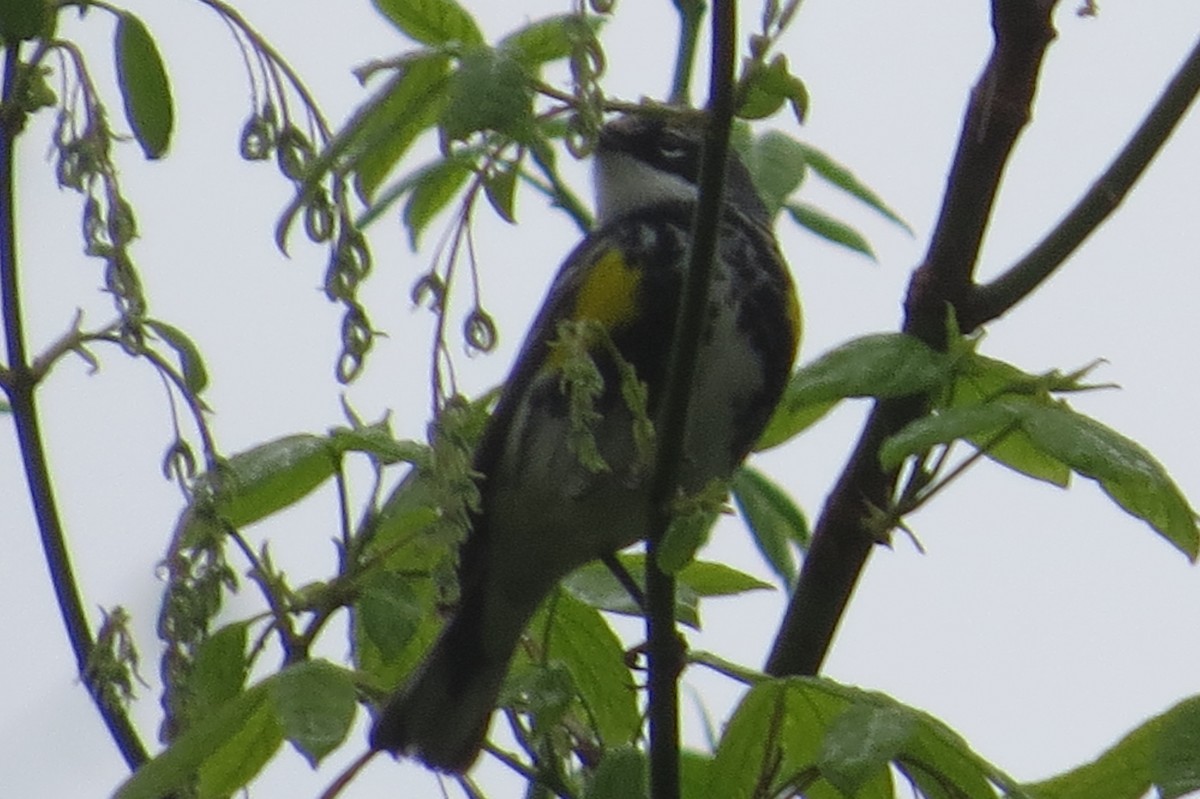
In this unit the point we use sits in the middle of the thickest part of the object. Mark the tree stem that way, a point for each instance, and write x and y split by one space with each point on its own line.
1000 107
664 647
20 389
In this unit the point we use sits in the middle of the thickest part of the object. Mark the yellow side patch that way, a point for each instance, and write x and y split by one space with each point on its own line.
609 294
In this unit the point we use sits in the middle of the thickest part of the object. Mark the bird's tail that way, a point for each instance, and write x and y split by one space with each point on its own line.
441 715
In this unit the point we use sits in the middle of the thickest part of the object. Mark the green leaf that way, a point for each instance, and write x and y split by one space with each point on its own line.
432 22
595 585
314 703
879 365
622 774
706 578
376 440
981 379
236 760
776 164
144 86
219 671
489 91
1125 470
581 639
390 610
845 180
825 740
270 477
191 362
829 228
500 187
861 742
768 86
382 131
432 193
22 19
548 39
774 520
225 749
1175 761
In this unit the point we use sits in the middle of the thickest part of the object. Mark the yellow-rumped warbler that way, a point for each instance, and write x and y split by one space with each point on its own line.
545 509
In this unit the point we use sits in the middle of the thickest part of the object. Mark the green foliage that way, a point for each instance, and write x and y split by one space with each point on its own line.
775 521
144 86
23 19
1162 753
573 694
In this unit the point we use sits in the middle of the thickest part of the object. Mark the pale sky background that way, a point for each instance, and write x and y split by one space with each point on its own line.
1040 624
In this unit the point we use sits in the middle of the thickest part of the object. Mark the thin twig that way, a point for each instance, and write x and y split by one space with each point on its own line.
20 390
1105 195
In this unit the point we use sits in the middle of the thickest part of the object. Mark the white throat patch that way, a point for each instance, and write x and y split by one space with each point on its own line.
624 184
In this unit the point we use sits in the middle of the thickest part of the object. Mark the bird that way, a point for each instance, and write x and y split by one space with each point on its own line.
548 507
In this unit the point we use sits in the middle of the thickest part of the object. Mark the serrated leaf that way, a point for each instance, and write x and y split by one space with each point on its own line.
844 179
432 193
145 90
829 228
548 39
225 749
432 22
775 522
191 362
581 639
314 703
878 365
489 91
270 477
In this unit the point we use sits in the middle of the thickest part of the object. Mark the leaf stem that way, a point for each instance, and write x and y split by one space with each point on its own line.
20 390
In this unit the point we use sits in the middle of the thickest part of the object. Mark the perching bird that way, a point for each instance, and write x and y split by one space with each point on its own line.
547 507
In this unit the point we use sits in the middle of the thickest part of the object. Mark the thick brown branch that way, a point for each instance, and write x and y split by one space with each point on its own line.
999 109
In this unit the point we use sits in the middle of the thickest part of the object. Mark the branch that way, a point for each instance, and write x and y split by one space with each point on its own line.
20 390
996 298
665 659
999 109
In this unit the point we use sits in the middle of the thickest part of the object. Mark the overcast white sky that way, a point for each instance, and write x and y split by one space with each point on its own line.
1041 624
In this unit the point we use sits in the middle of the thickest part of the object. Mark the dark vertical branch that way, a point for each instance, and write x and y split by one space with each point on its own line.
665 657
20 389
1000 107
